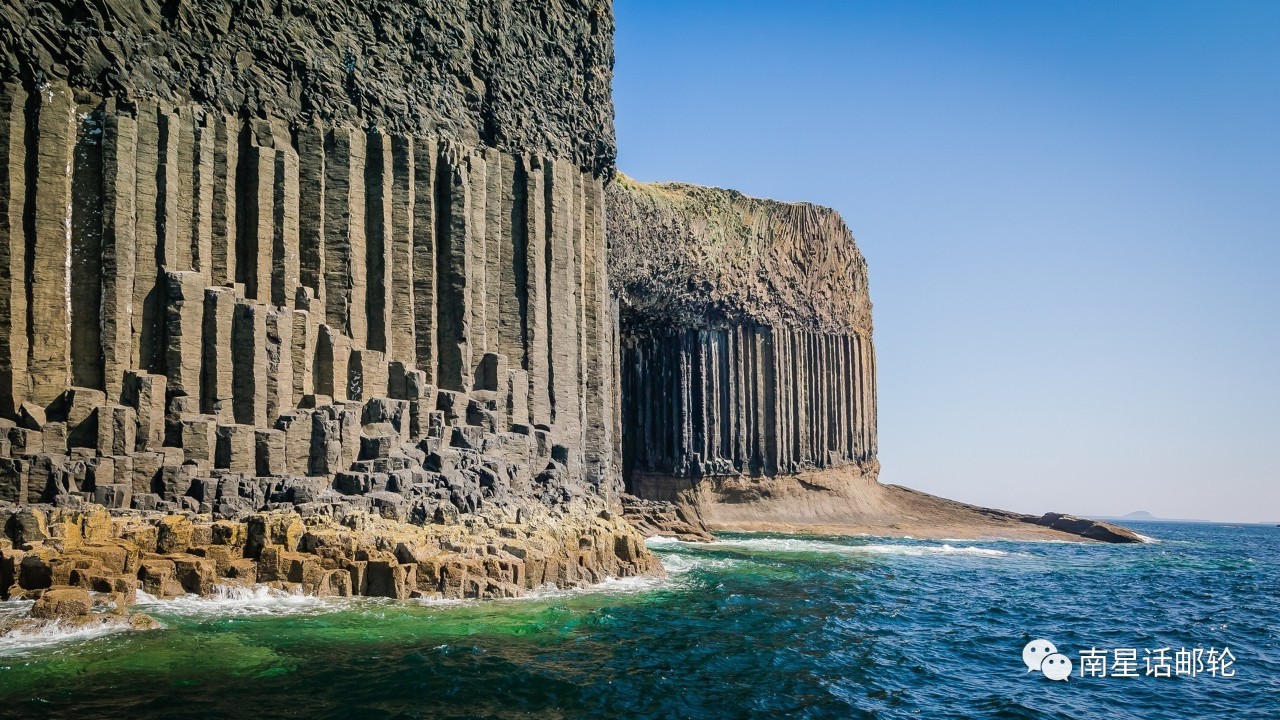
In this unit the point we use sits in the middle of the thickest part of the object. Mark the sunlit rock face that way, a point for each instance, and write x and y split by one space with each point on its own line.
327 258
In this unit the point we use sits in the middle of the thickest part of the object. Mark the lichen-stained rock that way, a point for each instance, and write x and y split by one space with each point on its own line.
495 555
699 256
197 575
173 534
157 576
515 76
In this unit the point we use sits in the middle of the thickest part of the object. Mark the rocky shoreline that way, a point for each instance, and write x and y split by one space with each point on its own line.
842 501
69 560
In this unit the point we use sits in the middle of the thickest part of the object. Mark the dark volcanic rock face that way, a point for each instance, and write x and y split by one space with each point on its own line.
518 76
704 257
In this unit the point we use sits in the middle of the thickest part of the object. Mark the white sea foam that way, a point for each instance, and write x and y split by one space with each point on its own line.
944 549
680 564
912 550
239 601
676 564
261 600
430 601
1147 539
22 641
611 585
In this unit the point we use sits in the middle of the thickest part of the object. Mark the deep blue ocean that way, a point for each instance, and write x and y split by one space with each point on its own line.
750 626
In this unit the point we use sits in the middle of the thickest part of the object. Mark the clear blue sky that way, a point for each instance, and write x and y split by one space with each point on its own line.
1071 212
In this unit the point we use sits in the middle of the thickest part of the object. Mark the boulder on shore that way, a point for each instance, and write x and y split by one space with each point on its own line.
62 603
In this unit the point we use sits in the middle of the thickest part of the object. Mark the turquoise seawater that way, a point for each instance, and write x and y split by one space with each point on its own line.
750 626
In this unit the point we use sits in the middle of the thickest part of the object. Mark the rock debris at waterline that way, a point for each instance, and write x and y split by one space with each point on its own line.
55 556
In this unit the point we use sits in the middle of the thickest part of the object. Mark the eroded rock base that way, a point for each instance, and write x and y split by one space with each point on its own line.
59 554
676 519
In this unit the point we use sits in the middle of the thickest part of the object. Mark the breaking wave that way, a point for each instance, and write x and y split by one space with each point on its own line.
228 600
797 545
677 564
262 600
610 585
20 641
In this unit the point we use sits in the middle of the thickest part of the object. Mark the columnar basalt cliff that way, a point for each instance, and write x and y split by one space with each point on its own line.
748 375
328 259
746 335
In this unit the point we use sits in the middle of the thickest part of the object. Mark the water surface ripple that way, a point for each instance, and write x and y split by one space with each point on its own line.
750 626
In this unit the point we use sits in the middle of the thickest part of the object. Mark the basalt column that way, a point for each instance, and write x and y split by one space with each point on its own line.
14 381
49 257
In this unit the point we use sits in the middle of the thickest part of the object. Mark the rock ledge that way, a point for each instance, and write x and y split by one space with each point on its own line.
59 556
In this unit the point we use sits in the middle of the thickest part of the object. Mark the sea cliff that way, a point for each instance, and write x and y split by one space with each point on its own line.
338 263
749 376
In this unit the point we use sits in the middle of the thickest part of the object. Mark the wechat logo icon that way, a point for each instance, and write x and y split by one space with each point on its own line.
1043 656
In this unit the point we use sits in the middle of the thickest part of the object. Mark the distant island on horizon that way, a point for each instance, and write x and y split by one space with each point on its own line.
1144 516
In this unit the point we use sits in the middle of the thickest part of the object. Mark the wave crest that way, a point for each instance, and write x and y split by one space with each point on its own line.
237 600
20 641
915 549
